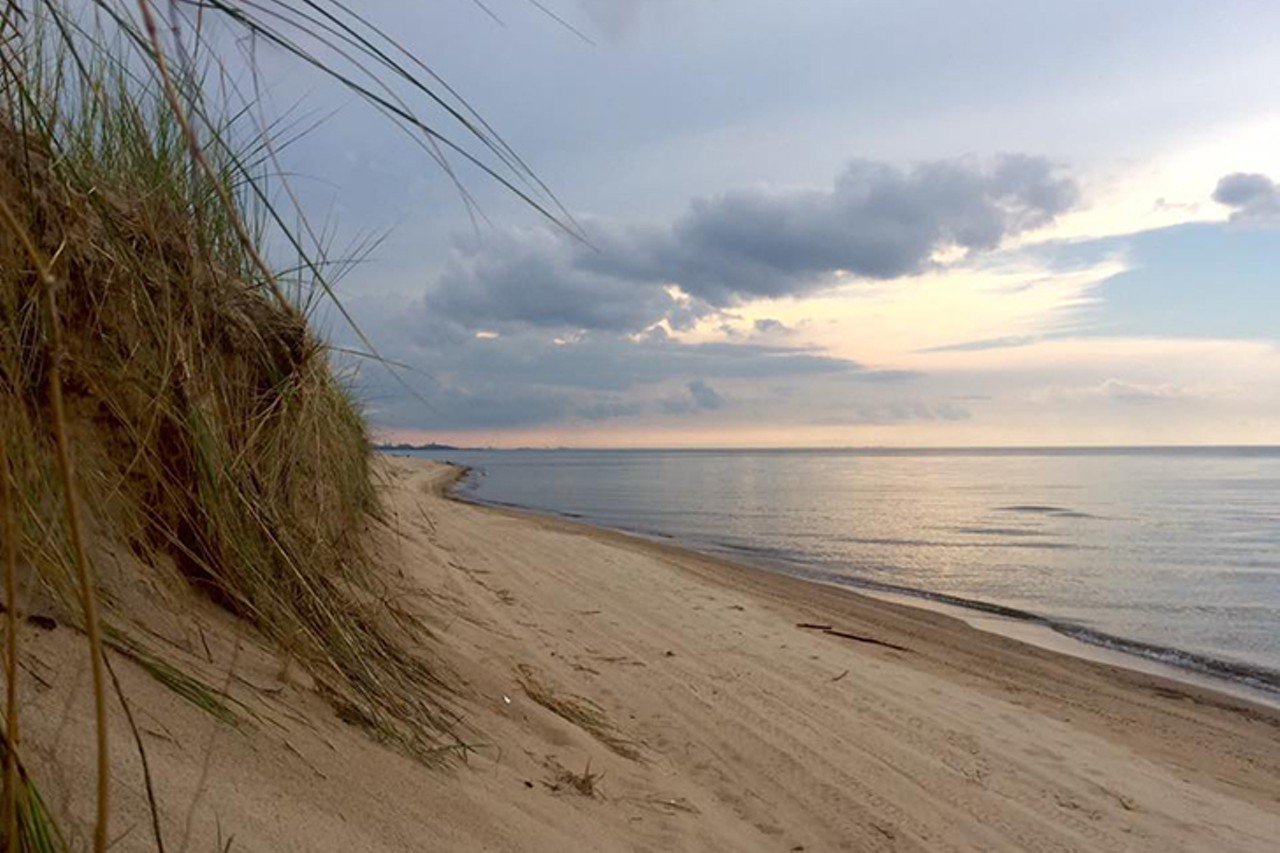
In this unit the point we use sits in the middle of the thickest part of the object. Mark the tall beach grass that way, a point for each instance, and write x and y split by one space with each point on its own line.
161 388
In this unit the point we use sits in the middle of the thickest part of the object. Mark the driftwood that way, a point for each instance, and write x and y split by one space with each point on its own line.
827 629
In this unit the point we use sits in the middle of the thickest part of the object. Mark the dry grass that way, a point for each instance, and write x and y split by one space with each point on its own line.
210 433
35 828
579 710
162 391
215 703
586 783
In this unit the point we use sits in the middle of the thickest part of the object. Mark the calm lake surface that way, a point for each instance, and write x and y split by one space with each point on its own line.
1171 554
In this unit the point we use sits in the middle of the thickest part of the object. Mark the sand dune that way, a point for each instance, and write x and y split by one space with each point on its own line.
685 698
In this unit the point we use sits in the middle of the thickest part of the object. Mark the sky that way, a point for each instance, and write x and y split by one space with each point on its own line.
819 223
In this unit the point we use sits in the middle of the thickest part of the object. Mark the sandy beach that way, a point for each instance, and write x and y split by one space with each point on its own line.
618 694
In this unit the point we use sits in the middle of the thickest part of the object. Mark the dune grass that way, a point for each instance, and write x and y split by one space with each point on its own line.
32 824
161 387
578 710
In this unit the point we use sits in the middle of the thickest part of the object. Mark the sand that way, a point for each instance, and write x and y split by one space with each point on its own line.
693 706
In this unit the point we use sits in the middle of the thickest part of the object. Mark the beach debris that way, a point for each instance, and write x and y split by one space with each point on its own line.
840 676
255 686
583 783
618 659
663 805
41 682
41 621
305 761
887 832
208 654
861 638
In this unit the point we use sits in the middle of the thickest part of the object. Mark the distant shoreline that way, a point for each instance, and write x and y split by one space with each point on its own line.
1229 678
1011 450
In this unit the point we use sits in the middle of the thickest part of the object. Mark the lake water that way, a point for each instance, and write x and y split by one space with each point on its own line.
1169 554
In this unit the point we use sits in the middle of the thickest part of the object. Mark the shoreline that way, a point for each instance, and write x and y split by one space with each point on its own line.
822 718
1044 635
613 693
1245 682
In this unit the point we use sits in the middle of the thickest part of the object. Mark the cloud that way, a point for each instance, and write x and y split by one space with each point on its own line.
1003 342
767 325
704 396
1128 391
896 413
532 278
699 397
524 378
875 221
1253 198
1119 389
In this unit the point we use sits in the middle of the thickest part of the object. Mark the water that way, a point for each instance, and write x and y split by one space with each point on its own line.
1170 554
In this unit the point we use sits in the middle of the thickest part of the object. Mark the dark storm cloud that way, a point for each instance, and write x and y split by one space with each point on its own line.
876 221
1253 198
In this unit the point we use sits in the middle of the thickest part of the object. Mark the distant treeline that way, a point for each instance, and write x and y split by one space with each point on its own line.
432 446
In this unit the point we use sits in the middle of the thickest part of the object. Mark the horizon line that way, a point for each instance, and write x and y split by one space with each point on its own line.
844 447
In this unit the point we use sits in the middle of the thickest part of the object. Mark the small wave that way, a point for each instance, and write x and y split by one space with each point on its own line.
996 531
1257 677
938 543
1046 509
1041 509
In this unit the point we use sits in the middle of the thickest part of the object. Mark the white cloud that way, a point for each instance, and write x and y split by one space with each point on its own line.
1126 391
